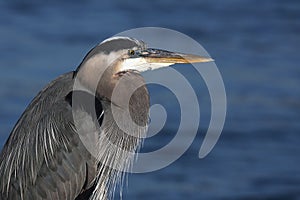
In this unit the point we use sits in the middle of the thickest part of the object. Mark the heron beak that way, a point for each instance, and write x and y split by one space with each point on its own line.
152 59
163 56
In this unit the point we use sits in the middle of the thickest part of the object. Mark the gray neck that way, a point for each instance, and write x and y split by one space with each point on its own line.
119 138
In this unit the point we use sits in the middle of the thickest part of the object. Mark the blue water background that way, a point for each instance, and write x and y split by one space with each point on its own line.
256 46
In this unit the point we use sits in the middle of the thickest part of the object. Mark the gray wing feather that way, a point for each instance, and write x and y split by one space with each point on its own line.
44 157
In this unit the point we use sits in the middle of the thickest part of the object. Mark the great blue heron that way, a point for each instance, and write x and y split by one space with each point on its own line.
45 157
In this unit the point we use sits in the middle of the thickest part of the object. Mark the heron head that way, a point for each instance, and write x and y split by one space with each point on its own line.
115 57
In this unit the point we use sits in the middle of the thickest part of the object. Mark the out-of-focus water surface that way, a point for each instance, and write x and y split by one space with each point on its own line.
256 46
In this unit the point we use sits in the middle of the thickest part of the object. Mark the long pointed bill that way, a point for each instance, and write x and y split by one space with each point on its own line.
163 56
152 59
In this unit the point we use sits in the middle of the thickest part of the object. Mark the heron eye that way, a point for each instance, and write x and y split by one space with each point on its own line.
131 52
